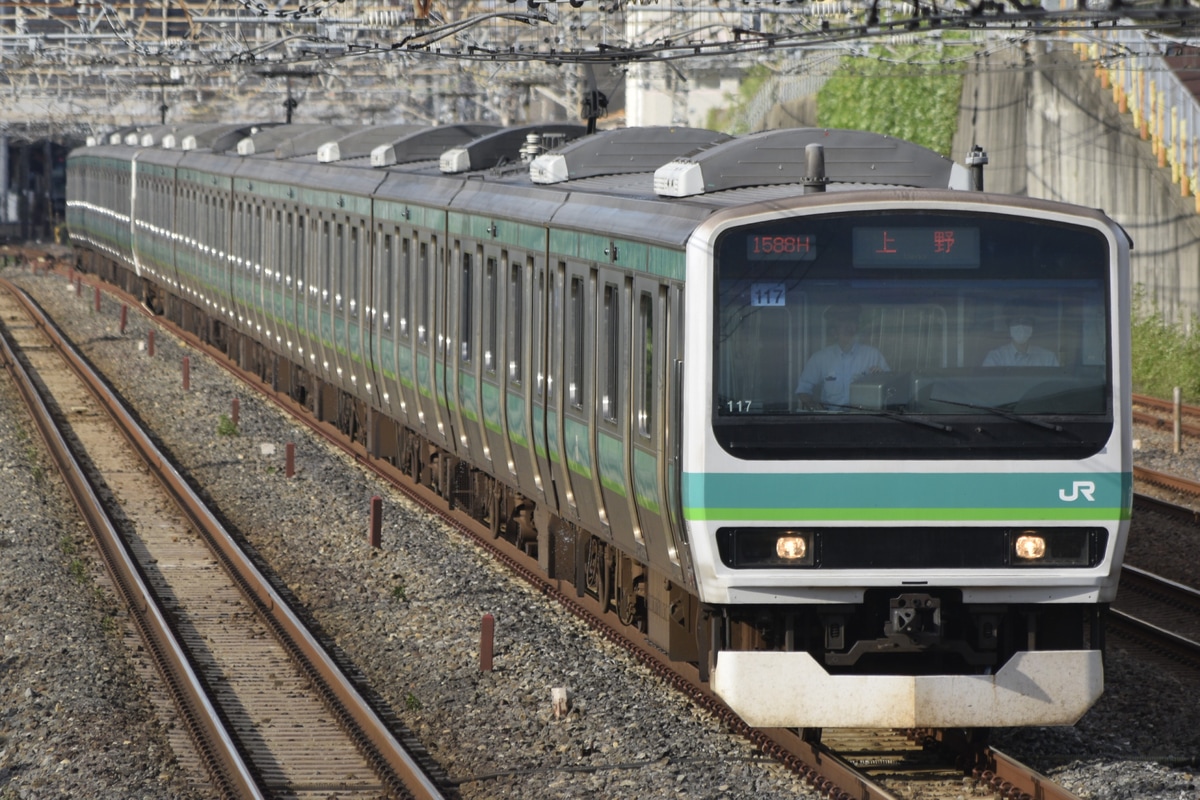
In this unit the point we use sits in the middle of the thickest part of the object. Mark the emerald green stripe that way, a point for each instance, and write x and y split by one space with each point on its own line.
906 514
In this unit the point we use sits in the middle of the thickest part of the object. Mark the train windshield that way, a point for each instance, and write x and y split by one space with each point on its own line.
922 335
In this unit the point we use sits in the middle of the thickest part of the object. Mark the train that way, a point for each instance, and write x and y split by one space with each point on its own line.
807 408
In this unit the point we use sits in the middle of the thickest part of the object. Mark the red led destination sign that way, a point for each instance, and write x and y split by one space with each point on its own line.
933 248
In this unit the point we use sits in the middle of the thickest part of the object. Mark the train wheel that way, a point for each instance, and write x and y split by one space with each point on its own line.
627 593
593 566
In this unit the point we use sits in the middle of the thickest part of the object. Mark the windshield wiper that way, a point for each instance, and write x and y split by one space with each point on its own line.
1000 412
899 415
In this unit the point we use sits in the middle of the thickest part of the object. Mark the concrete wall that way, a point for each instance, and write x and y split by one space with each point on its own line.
1051 131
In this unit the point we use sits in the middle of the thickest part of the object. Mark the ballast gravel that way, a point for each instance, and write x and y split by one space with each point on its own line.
75 720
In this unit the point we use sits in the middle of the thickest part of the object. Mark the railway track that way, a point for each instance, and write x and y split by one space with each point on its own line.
1157 413
839 767
270 713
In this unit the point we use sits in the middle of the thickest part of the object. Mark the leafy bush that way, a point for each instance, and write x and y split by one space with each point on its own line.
1165 355
908 95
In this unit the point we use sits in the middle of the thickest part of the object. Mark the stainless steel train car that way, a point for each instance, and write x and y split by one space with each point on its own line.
808 407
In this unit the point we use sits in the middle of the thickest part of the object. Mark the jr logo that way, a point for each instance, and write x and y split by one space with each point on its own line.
1085 488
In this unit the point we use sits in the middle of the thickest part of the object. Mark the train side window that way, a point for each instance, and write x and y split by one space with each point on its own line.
610 334
491 307
423 295
575 323
388 260
516 319
465 290
405 284
644 354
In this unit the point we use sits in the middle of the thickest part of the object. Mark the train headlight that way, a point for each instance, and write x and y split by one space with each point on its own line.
766 548
1057 547
791 548
1030 546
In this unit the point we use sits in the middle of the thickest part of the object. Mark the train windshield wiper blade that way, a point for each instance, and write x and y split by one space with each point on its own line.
911 419
1000 412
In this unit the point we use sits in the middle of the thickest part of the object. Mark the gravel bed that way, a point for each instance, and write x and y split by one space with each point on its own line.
408 616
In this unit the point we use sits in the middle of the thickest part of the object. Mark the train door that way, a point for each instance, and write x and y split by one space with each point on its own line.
239 286
672 411
220 270
575 467
326 361
492 363
517 325
307 294
405 328
464 357
428 295
258 252
655 330
385 319
287 284
274 326
545 361
354 378
613 325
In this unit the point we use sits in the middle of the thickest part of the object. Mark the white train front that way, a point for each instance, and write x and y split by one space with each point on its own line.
847 434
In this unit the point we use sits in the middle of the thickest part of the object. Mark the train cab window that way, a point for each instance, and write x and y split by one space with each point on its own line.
515 329
491 307
575 330
644 356
926 334
465 291
387 261
610 334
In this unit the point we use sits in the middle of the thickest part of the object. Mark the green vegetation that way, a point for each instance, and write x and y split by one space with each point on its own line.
79 570
227 427
1164 355
903 92
411 702
399 592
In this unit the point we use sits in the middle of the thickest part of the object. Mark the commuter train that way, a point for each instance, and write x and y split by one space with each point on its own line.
808 407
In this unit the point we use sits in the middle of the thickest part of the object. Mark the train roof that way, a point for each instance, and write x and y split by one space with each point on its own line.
654 184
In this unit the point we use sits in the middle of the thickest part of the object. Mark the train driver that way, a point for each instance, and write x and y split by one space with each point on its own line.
830 371
1019 352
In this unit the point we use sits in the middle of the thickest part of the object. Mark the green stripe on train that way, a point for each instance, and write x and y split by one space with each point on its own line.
910 496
